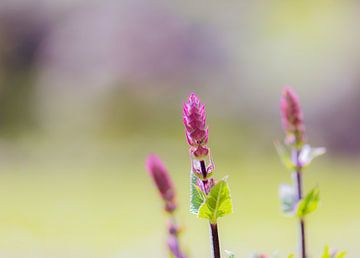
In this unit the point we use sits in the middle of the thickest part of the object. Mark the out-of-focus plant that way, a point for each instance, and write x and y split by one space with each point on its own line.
296 154
165 186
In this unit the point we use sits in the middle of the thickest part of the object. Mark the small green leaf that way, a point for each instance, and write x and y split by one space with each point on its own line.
230 254
288 199
218 203
291 256
341 254
309 203
326 253
284 155
197 197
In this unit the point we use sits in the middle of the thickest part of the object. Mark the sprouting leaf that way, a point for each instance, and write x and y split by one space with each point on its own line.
288 199
326 253
333 254
291 256
197 197
218 202
284 155
309 153
230 254
309 203
340 254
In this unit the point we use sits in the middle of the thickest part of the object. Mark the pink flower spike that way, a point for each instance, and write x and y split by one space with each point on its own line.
162 180
194 117
292 117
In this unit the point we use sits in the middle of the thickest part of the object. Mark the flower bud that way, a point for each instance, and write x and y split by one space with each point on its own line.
173 245
162 180
206 186
292 118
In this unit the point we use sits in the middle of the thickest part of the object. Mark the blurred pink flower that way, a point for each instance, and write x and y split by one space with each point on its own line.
292 117
162 180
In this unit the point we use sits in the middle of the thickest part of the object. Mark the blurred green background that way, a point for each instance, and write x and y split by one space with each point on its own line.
88 89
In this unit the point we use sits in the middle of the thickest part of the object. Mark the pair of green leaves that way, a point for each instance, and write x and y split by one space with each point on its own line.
328 254
216 204
291 206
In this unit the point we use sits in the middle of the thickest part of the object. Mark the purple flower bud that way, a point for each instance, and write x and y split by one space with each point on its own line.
205 186
173 244
162 180
292 117
173 240
197 168
194 117
173 228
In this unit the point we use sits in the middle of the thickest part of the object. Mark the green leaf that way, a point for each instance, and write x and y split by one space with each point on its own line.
341 254
288 199
309 203
326 253
285 155
230 254
291 256
197 197
218 203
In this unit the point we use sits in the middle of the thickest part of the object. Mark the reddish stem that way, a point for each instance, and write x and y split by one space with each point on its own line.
214 235
299 187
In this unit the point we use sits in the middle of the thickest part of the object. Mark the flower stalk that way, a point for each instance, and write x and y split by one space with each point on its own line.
197 135
293 125
215 240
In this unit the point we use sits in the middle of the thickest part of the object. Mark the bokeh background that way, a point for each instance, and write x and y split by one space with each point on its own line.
89 88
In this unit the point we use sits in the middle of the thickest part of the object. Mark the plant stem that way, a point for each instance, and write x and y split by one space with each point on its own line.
299 187
215 241
214 235
203 168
